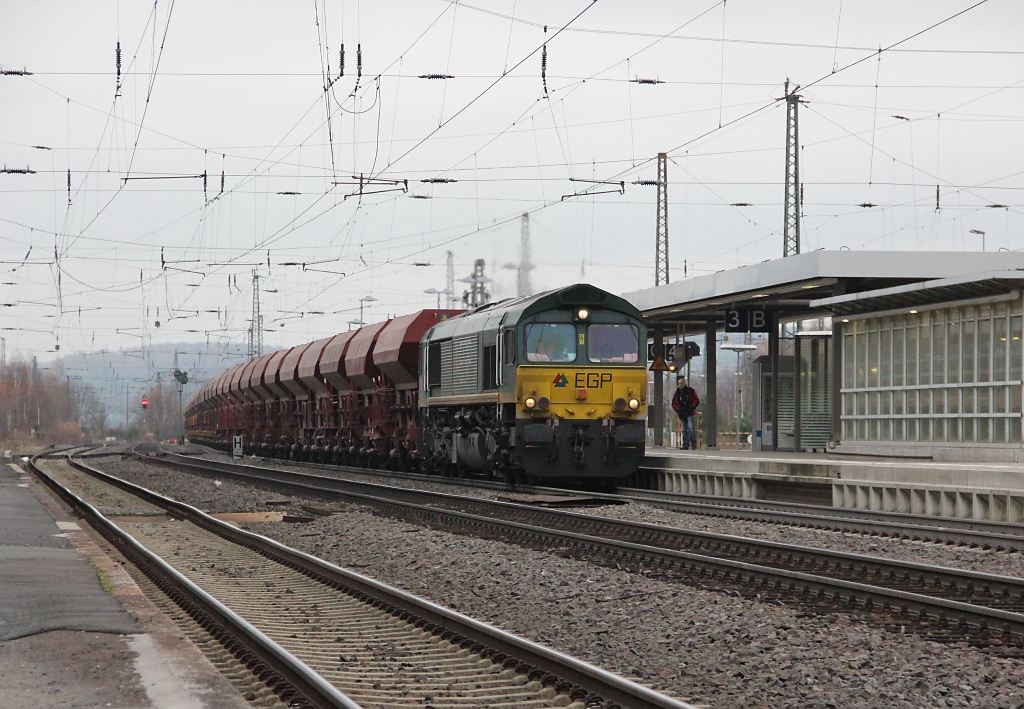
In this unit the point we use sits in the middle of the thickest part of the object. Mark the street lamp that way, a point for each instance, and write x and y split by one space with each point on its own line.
979 231
439 293
738 347
364 299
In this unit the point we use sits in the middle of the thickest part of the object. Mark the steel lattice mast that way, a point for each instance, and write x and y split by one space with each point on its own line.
523 285
450 280
661 238
256 326
791 222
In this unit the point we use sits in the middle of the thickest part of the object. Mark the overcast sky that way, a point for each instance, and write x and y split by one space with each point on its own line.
237 88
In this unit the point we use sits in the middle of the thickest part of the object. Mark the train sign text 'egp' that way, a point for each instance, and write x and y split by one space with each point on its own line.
592 380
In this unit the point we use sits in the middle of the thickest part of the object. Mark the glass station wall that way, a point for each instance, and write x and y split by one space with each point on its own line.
950 375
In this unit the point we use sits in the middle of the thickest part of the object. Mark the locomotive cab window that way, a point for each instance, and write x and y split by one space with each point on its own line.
508 339
550 342
433 365
613 343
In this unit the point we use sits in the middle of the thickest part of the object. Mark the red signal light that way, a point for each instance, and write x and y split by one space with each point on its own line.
145 403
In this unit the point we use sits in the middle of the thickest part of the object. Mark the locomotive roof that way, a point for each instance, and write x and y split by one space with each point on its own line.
512 310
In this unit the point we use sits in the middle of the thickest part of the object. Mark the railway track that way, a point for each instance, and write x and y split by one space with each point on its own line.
1000 536
322 636
943 603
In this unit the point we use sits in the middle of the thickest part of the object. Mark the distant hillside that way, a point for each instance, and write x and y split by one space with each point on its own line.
122 376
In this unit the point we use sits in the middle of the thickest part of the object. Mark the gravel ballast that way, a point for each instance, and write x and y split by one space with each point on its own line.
962 557
707 647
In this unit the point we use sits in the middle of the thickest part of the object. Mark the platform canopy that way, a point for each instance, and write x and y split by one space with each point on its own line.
786 287
756 298
974 288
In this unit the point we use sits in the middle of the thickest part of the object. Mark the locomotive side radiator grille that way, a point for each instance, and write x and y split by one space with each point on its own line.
465 366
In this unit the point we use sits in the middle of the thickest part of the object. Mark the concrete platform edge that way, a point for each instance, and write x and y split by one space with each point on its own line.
933 500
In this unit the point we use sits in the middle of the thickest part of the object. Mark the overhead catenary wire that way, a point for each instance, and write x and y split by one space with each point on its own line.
534 128
359 72
486 90
760 42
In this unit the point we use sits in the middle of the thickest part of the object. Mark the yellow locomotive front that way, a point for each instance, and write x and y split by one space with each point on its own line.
581 393
549 387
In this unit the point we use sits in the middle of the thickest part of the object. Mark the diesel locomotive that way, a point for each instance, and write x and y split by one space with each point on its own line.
547 387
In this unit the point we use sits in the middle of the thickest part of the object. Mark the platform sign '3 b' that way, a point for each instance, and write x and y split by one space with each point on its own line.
747 320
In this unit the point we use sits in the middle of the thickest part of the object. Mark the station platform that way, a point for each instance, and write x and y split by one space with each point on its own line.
75 630
985 491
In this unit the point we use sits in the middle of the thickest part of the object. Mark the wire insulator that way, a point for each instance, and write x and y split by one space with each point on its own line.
544 66
646 81
341 61
117 64
359 62
439 180
544 63
69 185
222 182
436 76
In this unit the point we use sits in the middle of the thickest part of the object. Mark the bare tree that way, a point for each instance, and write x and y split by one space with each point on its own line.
44 406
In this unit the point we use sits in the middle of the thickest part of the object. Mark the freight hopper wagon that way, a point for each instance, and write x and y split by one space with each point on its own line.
547 387
348 399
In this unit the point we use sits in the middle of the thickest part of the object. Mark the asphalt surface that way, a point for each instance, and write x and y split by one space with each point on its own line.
45 583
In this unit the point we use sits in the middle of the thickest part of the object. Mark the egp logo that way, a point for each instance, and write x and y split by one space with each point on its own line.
561 381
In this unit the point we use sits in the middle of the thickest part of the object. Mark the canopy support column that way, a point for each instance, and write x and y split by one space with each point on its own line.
797 393
711 396
656 407
773 354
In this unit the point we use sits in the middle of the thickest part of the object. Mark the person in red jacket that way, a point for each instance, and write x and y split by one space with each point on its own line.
685 402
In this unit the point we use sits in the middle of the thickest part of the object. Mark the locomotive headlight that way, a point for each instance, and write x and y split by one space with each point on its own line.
530 402
582 314
543 402
620 404
634 404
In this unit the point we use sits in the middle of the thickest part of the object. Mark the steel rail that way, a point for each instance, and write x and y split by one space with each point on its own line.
604 549
290 678
599 686
736 547
1009 531
1001 536
337 484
